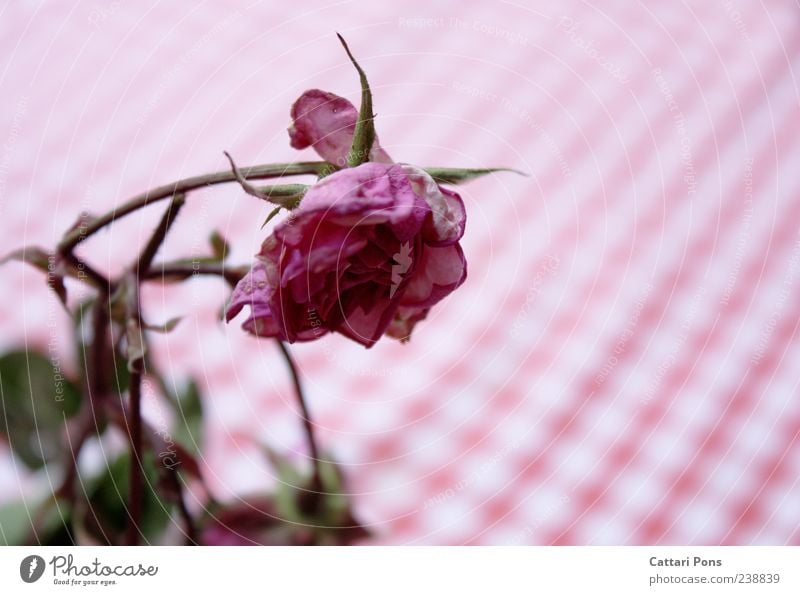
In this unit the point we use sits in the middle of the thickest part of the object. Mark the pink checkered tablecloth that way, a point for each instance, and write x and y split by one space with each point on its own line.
621 366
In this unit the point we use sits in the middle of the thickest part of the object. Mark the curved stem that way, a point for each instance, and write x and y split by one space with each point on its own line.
189 525
446 175
311 497
154 243
135 336
136 365
139 201
136 479
88 273
179 271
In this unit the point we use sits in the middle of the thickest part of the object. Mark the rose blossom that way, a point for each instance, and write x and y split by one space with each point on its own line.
327 122
368 251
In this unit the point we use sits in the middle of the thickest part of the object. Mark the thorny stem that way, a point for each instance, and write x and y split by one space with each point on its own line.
94 277
287 196
119 416
184 186
84 429
188 521
149 251
97 375
97 380
255 172
136 480
311 497
137 365
181 271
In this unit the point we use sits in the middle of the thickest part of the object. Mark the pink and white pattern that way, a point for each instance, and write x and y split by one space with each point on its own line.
620 367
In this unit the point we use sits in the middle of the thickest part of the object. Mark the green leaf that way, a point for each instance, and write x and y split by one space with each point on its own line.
336 505
459 175
53 519
36 398
165 328
277 518
55 526
290 482
219 246
250 519
15 524
334 509
287 472
364 134
189 424
107 516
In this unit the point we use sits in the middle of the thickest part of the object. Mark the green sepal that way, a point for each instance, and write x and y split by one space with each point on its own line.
459 175
364 134
286 191
272 214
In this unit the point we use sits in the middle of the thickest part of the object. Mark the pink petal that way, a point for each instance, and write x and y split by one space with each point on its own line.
441 271
367 324
353 199
261 322
448 216
255 291
251 289
327 122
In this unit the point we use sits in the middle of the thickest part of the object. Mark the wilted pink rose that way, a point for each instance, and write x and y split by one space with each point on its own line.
369 250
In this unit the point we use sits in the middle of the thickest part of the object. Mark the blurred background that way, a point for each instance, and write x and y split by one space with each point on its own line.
620 366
